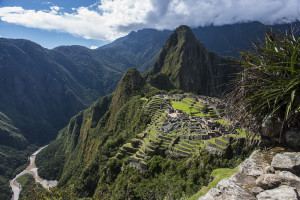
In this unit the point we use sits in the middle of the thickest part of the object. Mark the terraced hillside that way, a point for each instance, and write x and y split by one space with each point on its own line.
181 125
139 137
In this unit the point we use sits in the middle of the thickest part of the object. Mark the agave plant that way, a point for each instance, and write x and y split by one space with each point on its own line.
269 82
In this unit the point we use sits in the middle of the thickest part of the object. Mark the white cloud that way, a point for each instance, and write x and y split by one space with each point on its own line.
94 47
0 36
115 18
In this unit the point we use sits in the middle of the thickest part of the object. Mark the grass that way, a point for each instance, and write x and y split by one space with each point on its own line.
222 122
186 108
218 175
144 99
128 145
180 150
212 140
221 139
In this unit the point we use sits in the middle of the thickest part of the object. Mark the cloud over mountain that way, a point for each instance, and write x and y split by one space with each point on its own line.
110 19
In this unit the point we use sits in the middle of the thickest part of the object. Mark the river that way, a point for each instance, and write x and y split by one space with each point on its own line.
31 169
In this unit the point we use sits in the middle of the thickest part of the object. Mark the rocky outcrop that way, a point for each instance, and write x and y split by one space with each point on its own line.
287 161
264 175
227 189
282 192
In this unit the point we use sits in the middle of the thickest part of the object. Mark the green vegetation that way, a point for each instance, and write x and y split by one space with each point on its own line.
270 83
38 193
27 183
222 122
216 175
144 99
12 162
127 138
186 108
213 141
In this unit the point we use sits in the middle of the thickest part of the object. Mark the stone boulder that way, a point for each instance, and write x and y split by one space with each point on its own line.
227 190
292 138
243 180
254 165
257 190
270 181
271 127
287 161
280 193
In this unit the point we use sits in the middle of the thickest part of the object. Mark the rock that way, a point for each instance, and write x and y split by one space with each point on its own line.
287 161
212 194
269 170
233 190
253 166
292 138
289 175
271 127
269 181
227 190
280 193
246 182
257 190
292 179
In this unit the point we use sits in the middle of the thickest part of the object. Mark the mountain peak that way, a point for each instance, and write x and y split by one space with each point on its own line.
185 64
129 85
184 32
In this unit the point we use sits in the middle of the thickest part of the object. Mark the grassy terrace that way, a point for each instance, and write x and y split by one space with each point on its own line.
193 102
222 122
191 109
154 139
186 108
212 140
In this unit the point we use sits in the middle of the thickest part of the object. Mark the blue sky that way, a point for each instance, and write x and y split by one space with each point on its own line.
92 23
46 38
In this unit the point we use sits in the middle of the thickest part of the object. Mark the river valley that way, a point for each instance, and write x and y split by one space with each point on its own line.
31 169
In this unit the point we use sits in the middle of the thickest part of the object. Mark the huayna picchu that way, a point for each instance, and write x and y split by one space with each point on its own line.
150 141
185 64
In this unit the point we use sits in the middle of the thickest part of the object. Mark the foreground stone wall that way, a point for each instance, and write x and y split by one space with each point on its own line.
271 175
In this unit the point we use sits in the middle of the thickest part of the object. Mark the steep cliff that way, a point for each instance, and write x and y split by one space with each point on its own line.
84 149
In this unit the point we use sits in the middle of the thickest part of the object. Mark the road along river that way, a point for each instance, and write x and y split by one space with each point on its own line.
31 169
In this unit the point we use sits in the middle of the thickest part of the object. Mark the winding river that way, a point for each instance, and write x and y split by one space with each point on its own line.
31 169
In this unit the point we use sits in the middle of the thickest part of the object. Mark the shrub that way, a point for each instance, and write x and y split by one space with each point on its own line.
269 83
